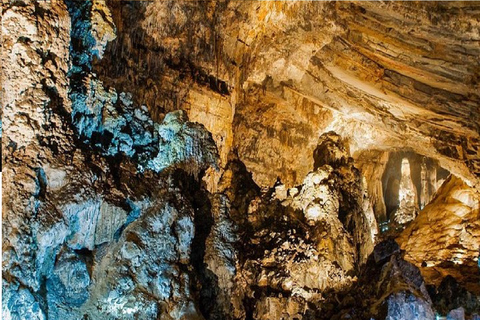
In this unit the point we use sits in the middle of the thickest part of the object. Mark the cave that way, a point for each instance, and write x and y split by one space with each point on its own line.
240 160
408 172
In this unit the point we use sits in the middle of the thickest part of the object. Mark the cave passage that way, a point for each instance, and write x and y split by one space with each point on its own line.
409 183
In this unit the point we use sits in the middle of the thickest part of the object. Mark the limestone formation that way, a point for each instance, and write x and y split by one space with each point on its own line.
240 160
454 214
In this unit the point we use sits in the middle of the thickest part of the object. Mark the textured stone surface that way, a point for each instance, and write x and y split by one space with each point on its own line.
444 239
389 77
407 306
240 159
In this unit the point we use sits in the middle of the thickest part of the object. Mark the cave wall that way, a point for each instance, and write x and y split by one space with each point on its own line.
426 176
229 160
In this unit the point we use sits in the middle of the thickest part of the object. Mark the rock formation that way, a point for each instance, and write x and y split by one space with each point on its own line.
240 160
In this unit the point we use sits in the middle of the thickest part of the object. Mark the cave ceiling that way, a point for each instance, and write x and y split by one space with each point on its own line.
269 77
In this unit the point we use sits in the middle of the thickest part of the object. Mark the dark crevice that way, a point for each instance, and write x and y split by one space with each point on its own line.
87 256
41 182
207 287
249 306
199 76
41 295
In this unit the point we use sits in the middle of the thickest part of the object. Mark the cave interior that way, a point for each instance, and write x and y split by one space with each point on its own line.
240 160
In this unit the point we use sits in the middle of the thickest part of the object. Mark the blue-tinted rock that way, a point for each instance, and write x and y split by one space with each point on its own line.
404 305
68 284
456 314
20 304
183 143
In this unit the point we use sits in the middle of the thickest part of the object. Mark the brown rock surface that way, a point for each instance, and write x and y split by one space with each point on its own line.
236 159
445 237
400 75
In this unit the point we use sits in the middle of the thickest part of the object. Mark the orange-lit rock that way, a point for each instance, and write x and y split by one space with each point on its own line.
445 237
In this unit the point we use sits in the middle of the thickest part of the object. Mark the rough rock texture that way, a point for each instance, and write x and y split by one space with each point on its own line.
399 75
388 287
240 159
73 191
446 235
275 252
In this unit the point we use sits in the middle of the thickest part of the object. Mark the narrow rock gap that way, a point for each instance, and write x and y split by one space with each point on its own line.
207 287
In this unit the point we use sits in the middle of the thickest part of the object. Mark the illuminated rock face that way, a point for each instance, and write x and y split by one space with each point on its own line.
407 195
240 160
453 214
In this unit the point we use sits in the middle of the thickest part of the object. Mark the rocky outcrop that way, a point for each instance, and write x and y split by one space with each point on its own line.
275 252
443 239
34 99
387 287
75 181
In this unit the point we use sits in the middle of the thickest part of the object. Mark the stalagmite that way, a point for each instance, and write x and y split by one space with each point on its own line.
407 196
